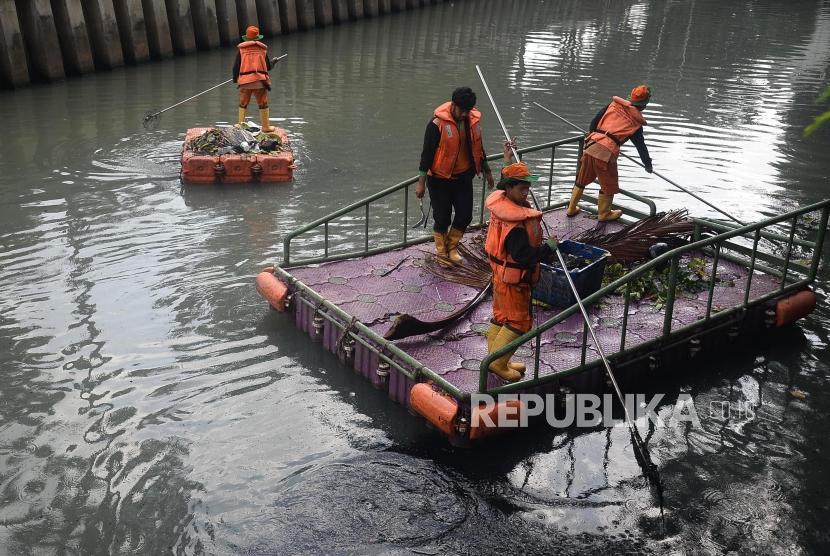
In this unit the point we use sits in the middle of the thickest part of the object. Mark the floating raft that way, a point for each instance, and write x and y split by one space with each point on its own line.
348 305
237 168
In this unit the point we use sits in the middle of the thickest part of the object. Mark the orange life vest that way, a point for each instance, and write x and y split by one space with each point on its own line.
504 216
448 146
620 121
254 65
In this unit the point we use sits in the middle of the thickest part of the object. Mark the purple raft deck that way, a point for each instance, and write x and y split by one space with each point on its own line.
357 287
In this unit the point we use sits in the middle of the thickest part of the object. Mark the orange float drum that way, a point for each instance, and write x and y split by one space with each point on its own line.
790 309
272 289
436 407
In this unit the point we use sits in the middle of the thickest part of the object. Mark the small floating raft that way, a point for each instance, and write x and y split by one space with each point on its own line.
261 167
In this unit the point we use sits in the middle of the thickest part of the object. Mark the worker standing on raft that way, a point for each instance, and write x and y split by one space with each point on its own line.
250 73
515 248
612 126
452 154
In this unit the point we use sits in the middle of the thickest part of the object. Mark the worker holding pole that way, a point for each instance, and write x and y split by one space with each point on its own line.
250 73
515 248
613 125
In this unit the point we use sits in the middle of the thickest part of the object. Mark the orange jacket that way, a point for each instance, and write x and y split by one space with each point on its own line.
619 122
254 64
504 216
448 146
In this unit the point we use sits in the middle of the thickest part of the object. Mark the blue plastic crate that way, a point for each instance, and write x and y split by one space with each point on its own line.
553 287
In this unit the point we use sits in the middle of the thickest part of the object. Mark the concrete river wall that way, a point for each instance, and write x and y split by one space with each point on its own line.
46 40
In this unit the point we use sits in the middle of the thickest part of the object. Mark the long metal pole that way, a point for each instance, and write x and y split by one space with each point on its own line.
638 163
638 441
147 117
507 136
493 103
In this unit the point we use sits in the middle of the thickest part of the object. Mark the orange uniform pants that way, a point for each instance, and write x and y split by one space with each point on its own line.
511 305
260 94
591 168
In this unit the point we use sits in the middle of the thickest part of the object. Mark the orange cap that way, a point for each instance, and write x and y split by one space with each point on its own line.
640 95
252 33
518 171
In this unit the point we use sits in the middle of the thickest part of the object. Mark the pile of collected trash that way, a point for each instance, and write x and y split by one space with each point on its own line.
573 262
234 140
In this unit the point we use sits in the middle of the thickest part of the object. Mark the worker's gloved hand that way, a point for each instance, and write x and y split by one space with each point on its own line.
649 168
552 243
421 188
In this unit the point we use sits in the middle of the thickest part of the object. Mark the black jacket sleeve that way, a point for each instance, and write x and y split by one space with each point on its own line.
268 63
639 141
236 64
431 137
517 244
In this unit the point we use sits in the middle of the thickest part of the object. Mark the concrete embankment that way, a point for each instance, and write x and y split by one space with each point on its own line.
46 40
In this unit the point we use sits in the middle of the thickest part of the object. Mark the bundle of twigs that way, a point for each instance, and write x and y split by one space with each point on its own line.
631 243
474 272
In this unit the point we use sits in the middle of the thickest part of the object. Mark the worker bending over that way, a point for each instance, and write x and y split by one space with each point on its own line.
612 126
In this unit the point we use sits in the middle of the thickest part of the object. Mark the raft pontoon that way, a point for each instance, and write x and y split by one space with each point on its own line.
758 277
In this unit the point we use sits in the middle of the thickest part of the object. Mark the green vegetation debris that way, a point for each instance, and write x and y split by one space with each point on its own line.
692 277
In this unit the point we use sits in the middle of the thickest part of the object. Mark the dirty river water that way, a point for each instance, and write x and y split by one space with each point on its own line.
150 402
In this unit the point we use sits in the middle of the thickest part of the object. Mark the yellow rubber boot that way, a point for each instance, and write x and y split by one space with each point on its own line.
264 118
500 365
492 332
605 214
576 195
441 248
517 366
453 239
242 113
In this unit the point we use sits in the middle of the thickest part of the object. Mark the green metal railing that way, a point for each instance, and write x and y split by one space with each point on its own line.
715 247
403 231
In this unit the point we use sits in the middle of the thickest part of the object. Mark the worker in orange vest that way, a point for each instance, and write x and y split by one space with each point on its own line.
250 73
453 153
613 125
515 248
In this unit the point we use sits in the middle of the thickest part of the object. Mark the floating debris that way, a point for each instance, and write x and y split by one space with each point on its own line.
234 140
797 394
633 242
692 277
